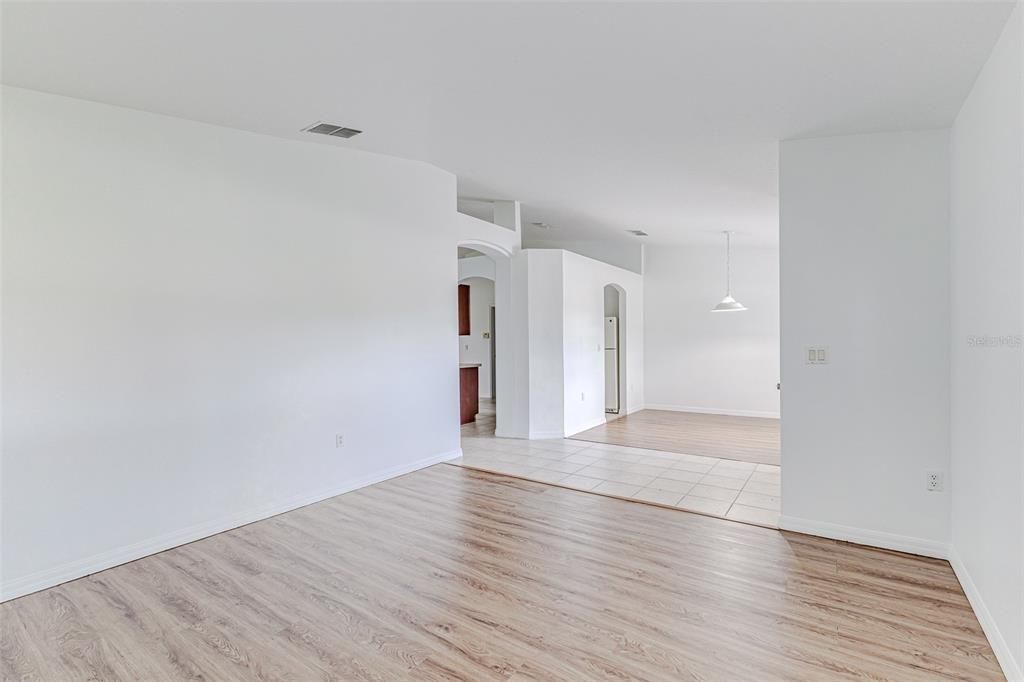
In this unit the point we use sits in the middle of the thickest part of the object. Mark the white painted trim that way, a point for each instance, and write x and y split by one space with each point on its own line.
104 560
938 550
714 410
635 409
864 536
1004 654
593 425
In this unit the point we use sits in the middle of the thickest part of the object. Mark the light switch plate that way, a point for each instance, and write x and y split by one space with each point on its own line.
816 355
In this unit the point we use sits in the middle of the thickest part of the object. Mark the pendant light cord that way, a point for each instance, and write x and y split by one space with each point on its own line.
728 264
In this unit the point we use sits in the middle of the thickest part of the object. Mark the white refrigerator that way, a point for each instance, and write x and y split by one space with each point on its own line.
611 365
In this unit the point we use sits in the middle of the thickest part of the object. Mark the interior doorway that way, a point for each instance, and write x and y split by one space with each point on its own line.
717 465
478 358
615 385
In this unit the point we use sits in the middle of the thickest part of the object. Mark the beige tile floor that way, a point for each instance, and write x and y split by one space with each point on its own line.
741 491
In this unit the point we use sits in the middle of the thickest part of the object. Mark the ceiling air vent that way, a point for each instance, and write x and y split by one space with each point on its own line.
638 233
332 130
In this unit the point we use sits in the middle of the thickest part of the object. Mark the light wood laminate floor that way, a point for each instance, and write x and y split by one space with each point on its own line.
454 574
747 439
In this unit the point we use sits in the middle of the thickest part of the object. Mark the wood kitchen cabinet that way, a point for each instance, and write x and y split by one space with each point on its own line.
463 310
469 393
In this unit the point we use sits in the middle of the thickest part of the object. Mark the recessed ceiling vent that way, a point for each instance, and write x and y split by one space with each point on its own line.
332 129
638 233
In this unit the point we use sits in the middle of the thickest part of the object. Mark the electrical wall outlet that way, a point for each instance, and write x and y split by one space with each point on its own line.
933 481
339 441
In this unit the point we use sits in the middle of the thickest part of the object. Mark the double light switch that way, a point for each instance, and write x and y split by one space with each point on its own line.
817 355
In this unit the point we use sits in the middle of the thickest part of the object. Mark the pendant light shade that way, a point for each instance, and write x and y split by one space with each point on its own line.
728 304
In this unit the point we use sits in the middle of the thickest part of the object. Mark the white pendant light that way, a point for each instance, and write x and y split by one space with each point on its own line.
728 304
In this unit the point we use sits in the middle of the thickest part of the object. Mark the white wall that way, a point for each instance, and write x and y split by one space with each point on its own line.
583 344
471 230
545 342
625 255
864 271
566 332
477 266
699 361
583 292
988 380
475 348
513 342
190 317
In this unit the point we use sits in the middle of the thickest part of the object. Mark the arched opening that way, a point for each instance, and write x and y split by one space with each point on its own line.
477 339
486 392
615 351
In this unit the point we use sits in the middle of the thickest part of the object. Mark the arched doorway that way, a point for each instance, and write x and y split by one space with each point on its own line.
490 262
615 349
477 342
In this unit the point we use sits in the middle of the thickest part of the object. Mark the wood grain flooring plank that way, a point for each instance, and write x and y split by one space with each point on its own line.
629 596
455 574
747 439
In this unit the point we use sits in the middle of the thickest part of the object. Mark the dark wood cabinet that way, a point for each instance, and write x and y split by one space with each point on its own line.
469 393
463 310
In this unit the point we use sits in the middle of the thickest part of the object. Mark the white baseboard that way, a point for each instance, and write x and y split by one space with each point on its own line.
930 548
98 562
863 536
1012 668
600 421
714 410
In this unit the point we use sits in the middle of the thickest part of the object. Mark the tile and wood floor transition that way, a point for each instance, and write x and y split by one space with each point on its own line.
747 439
740 491
453 574
727 488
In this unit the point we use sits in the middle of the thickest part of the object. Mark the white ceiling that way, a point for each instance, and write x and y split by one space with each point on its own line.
597 116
